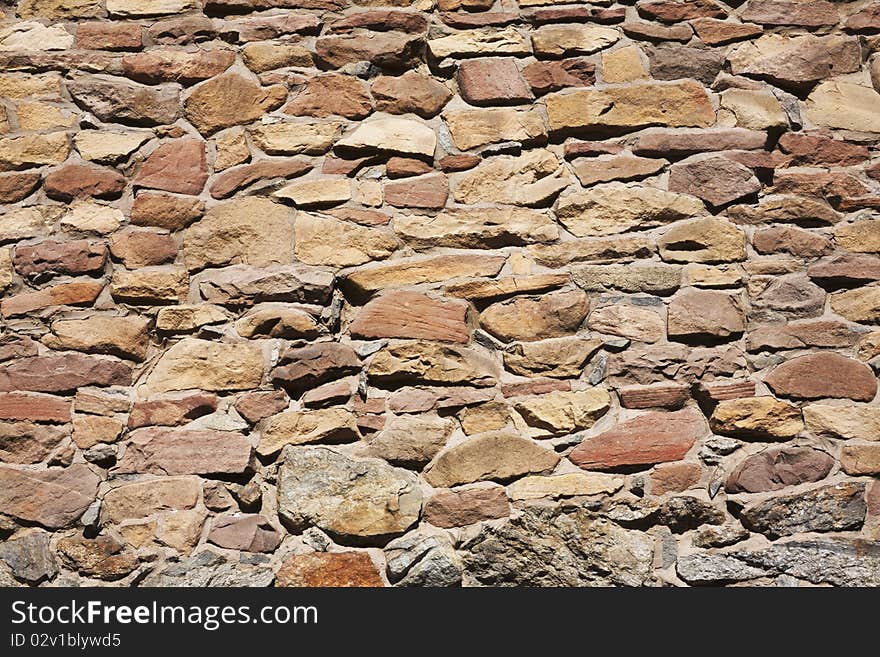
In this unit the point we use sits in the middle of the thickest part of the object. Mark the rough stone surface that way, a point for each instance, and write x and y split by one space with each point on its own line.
778 467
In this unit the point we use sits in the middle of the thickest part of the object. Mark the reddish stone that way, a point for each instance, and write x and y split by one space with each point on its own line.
403 167
660 395
814 150
683 142
797 335
255 406
329 569
704 315
561 15
237 178
778 467
360 216
722 389
416 400
821 375
451 163
108 36
264 27
334 165
859 459
675 12
759 160
544 77
466 21
83 180
646 440
716 180
176 166
591 171
538 386
492 81
867 20
845 270
831 186
381 20
715 32
331 94
790 239
17 346
411 92
402 314
165 211
17 186
181 31
801 14
249 532
643 30
167 65
63 373
171 412
675 477
577 149
385 50
185 451
307 367
335 392
53 498
465 506
46 259
143 248
34 407
65 294
429 191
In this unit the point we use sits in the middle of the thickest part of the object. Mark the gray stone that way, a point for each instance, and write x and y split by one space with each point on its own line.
209 569
422 559
29 557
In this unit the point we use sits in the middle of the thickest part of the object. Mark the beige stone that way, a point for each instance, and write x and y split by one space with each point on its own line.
331 425
137 8
411 440
557 357
707 239
89 430
563 40
231 148
623 65
288 138
860 236
33 150
250 230
277 320
150 285
261 56
40 116
432 362
489 416
30 85
391 135
628 321
31 35
844 105
616 208
572 484
187 318
317 192
654 278
507 41
551 315
5 268
858 305
530 179
323 240
756 418
477 227
752 109
124 336
21 223
108 146
89 217
477 127
562 413
849 422
201 364
143 499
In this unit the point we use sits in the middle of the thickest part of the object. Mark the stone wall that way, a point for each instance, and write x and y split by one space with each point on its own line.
303 292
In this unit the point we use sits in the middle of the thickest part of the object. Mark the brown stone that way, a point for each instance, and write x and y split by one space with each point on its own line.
123 336
185 451
681 142
723 389
464 506
331 94
65 294
380 20
90 430
705 315
113 100
648 439
644 30
171 411
492 81
329 569
629 321
544 77
674 12
707 239
181 31
25 442
778 467
676 62
660 395
402 314
715 32
615 167
789 239
416 400
756 418
16 186
496 288
165 211
176 166
860 459
431 363
141 248
386 50
103 557
237 178
53 498
109 36
45 259
536 318
411 440
34 407
303 368
461 162
716 180
228 100
62 373
675 477
149 285
803 14
248 532
816 150
821 375
410 92
403 167
81 180
798 335
169 65
785 209
262 27
144 498
866 20
255 406
845 270
429 192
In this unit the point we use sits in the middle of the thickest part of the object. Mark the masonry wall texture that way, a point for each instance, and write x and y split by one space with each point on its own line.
439 292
